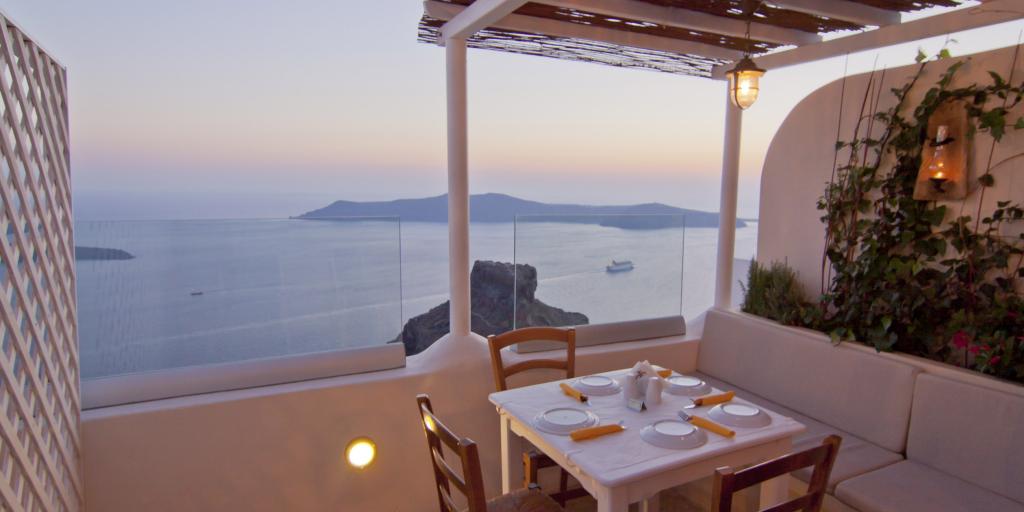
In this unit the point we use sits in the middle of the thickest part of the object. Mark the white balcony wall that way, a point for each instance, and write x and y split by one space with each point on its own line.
281 447
40 469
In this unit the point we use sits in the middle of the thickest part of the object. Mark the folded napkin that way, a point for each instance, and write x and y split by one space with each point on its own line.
709 425
592 432
714 399
573 392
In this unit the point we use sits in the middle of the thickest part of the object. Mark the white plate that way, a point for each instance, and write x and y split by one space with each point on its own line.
597 385
563 420
687 386
739 415
674 435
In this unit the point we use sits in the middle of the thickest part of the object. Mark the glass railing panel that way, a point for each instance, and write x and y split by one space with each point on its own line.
156 295
581 269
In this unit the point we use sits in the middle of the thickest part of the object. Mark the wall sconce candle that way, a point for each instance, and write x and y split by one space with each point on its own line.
943 172
360 452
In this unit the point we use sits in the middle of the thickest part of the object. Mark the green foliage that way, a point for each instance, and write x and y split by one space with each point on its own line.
914 276
774 293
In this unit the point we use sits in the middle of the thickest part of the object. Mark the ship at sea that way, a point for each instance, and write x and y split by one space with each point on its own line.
620 266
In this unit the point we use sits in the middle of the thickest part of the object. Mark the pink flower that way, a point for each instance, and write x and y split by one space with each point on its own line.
994 360
961 339
974 350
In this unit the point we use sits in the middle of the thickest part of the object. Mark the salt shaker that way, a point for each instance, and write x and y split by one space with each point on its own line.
652 396
630 389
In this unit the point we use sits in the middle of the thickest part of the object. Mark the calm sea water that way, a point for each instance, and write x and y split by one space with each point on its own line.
200 292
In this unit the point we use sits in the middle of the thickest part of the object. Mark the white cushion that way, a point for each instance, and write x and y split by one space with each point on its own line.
859 392
970 432
856 456
911 487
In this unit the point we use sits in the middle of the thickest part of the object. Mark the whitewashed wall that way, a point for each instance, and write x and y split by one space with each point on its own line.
39 384
799 161
281 447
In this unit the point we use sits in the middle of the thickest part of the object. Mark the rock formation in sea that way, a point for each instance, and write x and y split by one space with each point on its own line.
491 297
101 254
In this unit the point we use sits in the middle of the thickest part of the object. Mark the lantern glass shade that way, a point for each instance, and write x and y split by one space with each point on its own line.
744 83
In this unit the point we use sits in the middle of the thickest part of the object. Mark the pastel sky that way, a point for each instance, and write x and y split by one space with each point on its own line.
264 108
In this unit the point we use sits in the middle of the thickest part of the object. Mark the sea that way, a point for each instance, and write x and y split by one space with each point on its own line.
202 292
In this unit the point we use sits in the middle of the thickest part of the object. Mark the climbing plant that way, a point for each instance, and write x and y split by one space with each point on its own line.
917 276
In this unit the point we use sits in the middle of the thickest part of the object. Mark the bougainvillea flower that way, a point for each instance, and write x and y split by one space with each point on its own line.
961 339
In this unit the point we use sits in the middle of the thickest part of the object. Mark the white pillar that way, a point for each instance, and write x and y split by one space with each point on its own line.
727 204
458 188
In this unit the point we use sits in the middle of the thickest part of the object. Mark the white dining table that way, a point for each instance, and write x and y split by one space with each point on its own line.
621 468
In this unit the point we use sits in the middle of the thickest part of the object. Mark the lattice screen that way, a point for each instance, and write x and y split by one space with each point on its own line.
39 386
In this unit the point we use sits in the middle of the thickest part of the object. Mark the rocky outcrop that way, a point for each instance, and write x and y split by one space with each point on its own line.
491 297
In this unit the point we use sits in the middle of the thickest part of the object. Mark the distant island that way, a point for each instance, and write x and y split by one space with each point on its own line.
101 254
493 208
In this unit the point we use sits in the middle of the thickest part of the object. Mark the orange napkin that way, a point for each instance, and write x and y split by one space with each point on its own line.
714 399
573 392
707 424
592 432
664 373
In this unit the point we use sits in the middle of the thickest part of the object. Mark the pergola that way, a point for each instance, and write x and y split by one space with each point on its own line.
686 37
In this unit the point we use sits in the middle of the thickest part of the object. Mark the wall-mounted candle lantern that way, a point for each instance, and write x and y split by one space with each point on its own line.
943 173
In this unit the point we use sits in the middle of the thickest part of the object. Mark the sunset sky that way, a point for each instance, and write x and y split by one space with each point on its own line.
264 108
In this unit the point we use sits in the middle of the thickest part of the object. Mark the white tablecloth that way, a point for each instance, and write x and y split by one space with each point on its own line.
619 458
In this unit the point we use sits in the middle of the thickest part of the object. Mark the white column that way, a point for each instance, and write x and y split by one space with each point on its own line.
727 204
458 188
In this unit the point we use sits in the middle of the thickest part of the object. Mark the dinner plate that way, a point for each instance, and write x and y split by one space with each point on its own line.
597 385
563 420
739 415
674 435
686 385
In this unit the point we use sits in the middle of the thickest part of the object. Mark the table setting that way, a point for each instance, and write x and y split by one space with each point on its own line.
622 426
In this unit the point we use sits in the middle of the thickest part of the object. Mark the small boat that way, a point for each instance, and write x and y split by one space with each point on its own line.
620 266
196 294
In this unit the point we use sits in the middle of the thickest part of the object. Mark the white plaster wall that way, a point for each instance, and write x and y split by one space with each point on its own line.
281 447
799 160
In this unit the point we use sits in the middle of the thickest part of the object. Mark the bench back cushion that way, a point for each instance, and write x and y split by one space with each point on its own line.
853 390
970 432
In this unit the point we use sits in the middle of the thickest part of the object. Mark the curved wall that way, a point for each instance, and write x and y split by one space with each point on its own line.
798 164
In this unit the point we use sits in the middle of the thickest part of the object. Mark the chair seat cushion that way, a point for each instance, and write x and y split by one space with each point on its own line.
523 500
856 456
909 486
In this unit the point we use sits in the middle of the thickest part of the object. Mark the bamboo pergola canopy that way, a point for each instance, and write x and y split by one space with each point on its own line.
687 37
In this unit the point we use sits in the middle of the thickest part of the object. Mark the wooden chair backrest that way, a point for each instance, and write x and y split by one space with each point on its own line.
822 457
500 341
469 481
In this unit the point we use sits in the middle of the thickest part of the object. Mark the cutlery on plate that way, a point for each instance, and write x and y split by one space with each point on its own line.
711 399
707 424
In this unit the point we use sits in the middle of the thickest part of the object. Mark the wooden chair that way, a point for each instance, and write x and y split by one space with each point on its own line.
821 457
469 481
534 460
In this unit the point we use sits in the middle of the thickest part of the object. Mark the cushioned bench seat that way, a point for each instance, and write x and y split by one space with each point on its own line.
909 486
856 456
964 453
864 398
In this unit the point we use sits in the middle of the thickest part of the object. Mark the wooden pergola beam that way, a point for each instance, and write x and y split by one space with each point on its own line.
989 13
553 28
842 10
479 15
686 19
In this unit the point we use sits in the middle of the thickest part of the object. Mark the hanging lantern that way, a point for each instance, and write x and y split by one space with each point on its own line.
744 82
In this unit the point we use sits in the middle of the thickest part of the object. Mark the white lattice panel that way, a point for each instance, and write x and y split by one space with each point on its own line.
39 385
